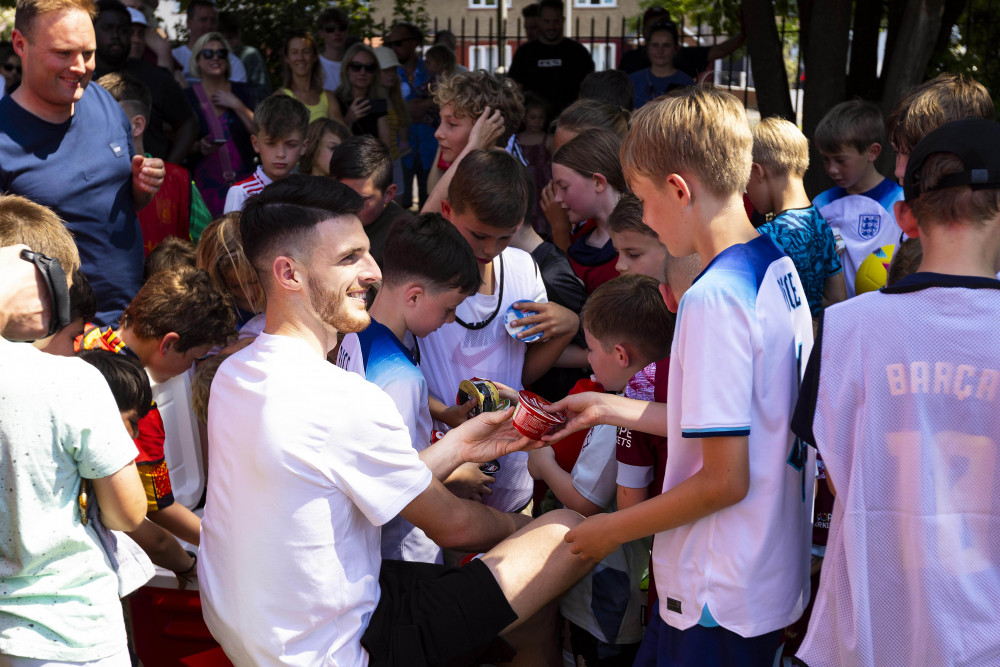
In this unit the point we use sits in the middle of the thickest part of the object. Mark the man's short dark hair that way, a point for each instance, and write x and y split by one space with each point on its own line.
333 15
429 248
364 157
551 4
490 184
194 4
412 30
281 115
612 86
530 11
281 217
126 377
112 6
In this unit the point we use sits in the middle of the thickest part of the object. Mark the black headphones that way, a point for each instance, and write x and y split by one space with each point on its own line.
55 281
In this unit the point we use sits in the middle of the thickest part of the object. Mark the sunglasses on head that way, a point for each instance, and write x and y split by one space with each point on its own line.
8 67
371 68
398 42
211 54
334 28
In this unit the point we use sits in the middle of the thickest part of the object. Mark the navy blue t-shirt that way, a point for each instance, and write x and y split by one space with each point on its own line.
81 169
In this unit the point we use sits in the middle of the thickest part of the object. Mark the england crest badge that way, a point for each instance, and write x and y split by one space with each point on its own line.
868 225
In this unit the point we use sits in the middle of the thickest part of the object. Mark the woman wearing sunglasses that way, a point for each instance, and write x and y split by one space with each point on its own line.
362 100
223 155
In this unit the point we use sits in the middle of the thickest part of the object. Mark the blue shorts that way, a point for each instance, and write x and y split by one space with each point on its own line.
664 646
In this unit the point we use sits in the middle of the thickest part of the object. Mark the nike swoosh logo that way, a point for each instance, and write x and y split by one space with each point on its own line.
459 357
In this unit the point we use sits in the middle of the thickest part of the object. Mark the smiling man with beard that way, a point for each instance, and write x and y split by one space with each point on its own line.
309 460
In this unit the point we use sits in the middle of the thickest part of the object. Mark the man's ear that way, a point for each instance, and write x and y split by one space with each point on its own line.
668 297
446 209
19 43
285 273
167 343
906 220
389 194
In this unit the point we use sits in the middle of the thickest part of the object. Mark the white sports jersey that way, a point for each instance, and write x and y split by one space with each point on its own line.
861 223
454 353
238 193
909 429
741 332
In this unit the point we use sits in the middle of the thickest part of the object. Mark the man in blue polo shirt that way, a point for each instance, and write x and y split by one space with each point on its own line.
68 146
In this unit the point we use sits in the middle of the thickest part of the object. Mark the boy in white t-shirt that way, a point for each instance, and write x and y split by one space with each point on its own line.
908 427
627 327
731 551
429 270
486 203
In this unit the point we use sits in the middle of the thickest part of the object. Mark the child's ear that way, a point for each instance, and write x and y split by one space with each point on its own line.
873 151
138 125
622 355
446 209
600 182
757 171
906 220
254 143
668 297
413 293
679 188
390 193
167 343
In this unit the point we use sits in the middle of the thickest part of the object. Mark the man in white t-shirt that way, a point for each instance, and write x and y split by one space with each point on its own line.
309 460
202 18
331 25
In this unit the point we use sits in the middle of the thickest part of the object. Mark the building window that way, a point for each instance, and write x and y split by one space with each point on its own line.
603 53
584 4
484 56
485 4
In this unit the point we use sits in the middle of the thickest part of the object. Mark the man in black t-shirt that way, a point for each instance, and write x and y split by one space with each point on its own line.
552 66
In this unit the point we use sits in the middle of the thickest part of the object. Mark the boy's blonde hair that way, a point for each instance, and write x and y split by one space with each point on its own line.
976 207
469 93
853 124
780 147
941 100
39 228
699 131
629 310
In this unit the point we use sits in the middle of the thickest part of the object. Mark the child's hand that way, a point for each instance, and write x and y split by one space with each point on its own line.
585 410
552 320
539 460
148 173
456 415
556 215
469 482
593 539
486 130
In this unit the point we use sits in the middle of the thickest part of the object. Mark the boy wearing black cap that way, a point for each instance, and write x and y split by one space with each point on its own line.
909 426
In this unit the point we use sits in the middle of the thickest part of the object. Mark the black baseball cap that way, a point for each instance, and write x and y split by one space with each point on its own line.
975 141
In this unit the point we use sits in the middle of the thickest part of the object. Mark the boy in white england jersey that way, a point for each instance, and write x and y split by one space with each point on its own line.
731 546
909 428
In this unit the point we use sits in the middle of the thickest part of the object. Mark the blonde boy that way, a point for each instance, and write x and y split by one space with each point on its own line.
780 160
731 552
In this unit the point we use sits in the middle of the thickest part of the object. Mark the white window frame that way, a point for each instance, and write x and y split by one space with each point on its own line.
486 4
484 56
605 55
593 4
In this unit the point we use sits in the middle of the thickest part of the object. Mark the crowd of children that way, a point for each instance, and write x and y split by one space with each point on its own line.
712 374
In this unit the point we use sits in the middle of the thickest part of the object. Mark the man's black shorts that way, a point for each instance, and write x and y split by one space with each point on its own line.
435 615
